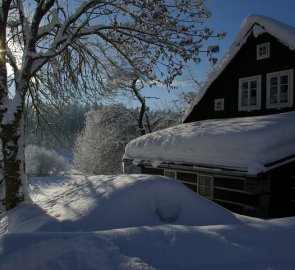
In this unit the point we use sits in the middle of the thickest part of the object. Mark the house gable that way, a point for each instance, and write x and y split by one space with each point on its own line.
243 64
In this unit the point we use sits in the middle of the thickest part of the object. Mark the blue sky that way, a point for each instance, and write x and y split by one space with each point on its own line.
228 15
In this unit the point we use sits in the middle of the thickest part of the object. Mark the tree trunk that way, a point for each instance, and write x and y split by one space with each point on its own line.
142 108
13 187
3 93
2 182
13 156
4 9
12 139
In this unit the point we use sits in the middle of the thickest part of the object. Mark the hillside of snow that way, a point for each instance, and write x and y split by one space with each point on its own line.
136 222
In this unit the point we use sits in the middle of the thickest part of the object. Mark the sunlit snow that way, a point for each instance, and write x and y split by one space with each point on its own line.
247 143
136 222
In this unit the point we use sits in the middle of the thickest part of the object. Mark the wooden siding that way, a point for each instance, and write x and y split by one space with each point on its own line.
268 195
238 184
155 171
228 191
188 179
243 65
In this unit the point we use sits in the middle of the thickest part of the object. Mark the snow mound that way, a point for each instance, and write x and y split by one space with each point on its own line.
54 232
108 202
66 252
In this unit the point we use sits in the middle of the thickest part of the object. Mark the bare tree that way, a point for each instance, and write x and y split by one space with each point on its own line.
61 50
127 83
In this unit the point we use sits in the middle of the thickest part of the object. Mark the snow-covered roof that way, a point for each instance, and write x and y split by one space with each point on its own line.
246 144
256 24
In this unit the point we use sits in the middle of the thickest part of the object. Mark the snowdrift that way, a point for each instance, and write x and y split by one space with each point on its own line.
136 222
110 202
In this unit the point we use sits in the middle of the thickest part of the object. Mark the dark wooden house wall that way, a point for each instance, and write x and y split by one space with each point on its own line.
282 201
268 195
244 64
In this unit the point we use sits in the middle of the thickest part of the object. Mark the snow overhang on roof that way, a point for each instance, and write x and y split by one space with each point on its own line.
246 144
256 24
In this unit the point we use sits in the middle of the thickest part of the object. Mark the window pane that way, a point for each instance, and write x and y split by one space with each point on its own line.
244 85
284 79
208 181
245 98
202 180
205 191
262 51
284 94
171 174
273 95
205 185
201 190
253 84
253 97
274 81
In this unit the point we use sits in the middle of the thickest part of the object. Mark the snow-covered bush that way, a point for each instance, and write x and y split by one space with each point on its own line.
44 162
100 147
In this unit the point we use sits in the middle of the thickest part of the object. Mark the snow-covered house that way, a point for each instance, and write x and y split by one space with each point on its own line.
237 143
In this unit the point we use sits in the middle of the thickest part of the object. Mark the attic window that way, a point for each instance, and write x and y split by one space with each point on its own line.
219 104
262 51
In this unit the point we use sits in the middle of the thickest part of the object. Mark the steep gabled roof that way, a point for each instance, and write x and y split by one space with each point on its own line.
249 144
256 24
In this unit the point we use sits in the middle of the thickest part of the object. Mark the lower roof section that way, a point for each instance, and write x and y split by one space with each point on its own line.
249 144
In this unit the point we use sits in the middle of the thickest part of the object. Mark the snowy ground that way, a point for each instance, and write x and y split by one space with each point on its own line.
136 222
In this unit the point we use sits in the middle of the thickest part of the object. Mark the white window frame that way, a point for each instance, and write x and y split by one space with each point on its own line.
211 186
278 74
250 107
266 54
168 173
219 104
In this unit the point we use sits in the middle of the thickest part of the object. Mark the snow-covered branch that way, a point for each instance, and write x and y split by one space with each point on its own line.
12 60
54 22
25 26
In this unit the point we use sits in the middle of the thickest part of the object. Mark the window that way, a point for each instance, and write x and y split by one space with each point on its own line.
250 93
279 92
262 51
169 173
219 104
205 185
